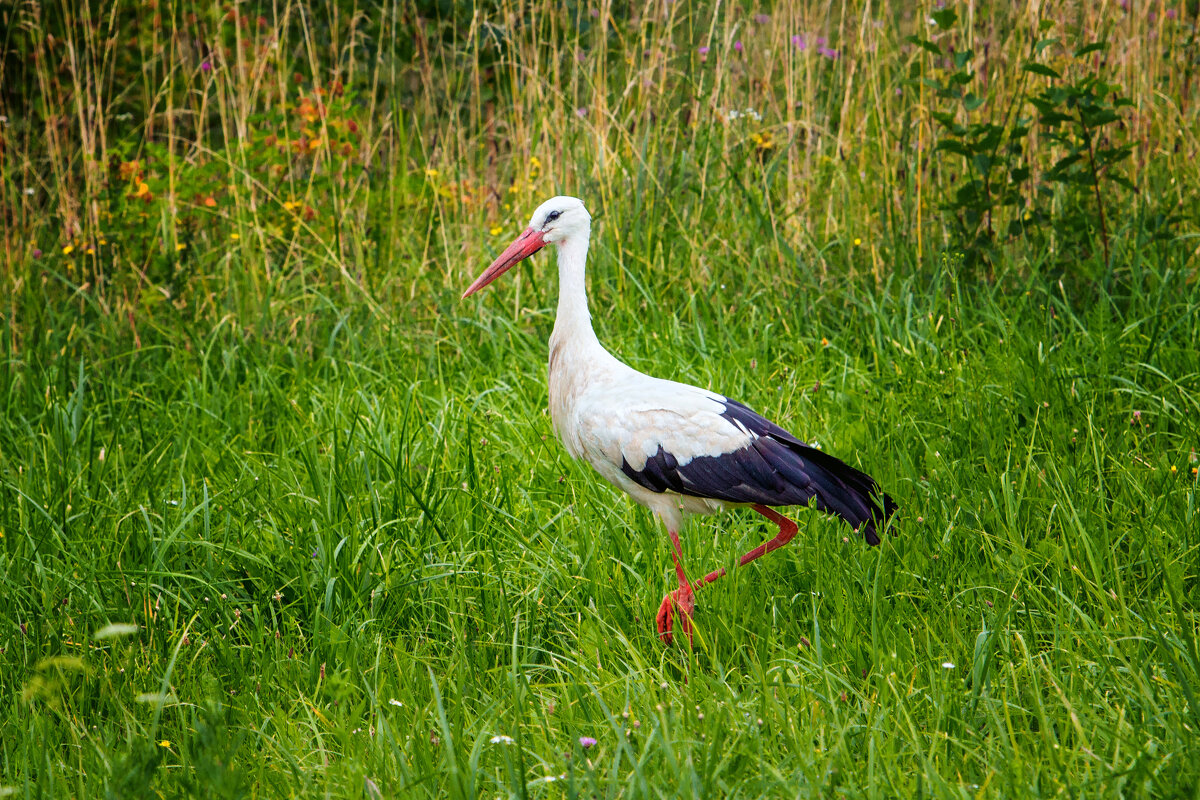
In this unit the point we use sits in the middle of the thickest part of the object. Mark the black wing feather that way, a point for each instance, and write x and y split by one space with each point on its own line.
775 469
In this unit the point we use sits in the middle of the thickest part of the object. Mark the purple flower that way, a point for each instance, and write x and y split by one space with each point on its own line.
738 45
798 41
821 41
829 53
581 112
586 742
205 66
37 253
1170 13
594 12
703 51
762 19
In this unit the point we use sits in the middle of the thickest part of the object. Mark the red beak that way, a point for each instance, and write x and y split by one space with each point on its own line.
525 245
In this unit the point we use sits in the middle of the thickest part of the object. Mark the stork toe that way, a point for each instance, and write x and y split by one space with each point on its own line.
683 601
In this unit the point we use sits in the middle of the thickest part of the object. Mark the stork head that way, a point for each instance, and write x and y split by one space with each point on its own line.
557 220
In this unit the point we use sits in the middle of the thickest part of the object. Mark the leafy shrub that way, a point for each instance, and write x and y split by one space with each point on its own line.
1047 169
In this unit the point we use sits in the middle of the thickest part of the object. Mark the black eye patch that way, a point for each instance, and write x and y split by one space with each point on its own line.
553 215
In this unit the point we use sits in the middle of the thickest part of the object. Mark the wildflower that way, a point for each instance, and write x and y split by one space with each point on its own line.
824 342
165 743
90 251
430 172
37 253
395 702
180 247
738 45
29 191
829 52
586 742
857 241
535 162
501 739
703 50
762 19
205 66
495 230
947 665
798 41
235 236
581 112
68 250
143 190
1173 469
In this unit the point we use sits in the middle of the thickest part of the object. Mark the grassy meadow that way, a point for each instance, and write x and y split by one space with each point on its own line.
281 517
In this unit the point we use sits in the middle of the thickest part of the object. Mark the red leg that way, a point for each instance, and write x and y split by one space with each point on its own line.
787 530
682 599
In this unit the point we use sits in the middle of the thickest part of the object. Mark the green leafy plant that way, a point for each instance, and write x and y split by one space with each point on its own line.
1035 170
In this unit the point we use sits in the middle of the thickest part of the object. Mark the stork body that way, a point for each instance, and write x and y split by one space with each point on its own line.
676 449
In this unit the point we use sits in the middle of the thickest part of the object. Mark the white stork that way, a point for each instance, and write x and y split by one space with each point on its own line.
676 449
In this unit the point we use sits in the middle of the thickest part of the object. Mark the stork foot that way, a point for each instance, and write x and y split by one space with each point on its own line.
682 601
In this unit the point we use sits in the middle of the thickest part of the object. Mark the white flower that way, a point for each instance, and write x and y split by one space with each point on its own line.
395 702
501 739
947 665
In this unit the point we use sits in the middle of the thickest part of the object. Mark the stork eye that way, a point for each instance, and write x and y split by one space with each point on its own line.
553 215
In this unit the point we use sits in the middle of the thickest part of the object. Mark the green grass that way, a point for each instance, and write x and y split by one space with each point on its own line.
265 432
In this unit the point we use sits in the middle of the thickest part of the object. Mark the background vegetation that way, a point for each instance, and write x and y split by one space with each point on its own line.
280 516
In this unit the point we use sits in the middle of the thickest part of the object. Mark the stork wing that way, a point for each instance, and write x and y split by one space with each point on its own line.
684 440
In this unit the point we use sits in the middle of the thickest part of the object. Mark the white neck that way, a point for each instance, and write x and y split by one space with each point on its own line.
573 321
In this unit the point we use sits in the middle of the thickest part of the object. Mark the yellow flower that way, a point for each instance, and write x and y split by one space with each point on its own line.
857 241
496 230
824 342
142 190
104 241
90 252
234 236
179 247
535 162
1173 469
68 250
430 172
165 743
